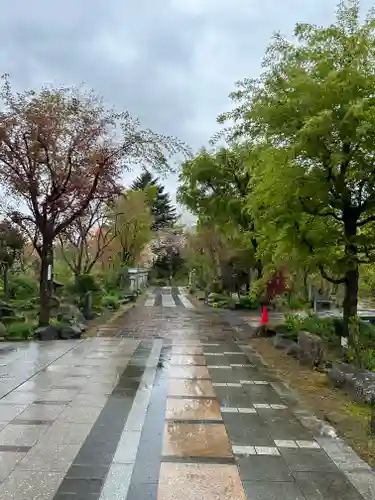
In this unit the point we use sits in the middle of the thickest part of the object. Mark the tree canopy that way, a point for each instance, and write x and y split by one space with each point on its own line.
163 212
311 115
61 148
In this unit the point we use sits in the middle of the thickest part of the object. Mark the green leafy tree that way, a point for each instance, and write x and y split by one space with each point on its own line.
163 212
313 109
131 227
216 186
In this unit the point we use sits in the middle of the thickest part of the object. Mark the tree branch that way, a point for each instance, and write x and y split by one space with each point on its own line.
317 213
363 222
329 278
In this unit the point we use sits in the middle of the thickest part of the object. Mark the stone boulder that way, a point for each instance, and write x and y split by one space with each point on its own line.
47 333
291 348
70 332
69 313
6 310
359 383
311 352
281 342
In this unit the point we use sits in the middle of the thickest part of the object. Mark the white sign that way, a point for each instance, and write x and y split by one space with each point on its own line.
49 272
344 342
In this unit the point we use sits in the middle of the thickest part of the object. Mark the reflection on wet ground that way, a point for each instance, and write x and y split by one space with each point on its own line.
177 406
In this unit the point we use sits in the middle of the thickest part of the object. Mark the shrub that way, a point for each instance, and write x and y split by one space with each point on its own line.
24 304
21 330
110 302
86 283
248 302
2 330
59 325
280 302
323 327
8 320
22 286
216 287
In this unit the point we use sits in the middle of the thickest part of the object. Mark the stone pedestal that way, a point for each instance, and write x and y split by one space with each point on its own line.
137 278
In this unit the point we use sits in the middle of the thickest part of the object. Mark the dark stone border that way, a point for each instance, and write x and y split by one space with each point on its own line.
177 300
50 402
87 474
31 422
158 299
15 448
145 477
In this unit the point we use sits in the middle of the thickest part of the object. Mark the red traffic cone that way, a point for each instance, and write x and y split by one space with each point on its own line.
264 321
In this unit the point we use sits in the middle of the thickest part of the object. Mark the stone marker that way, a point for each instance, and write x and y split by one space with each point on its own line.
311 352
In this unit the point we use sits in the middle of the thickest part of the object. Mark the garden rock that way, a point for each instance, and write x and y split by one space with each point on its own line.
6 310
359 383
70 332
311 352
291 348
69 313
281 342
47 333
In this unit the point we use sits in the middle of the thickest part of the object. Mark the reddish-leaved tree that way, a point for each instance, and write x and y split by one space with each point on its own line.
60 148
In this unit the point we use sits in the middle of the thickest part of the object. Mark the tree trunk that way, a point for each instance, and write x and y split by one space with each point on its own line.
259 268
350 298
45 285
352 273
6 282
306 285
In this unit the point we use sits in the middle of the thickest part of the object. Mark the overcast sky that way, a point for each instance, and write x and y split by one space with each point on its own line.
172 63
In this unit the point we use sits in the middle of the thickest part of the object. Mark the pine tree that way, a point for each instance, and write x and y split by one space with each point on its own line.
163 212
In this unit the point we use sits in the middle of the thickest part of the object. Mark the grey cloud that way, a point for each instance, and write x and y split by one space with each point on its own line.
172 63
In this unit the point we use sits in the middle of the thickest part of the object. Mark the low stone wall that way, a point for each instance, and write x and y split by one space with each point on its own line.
359 383
309 350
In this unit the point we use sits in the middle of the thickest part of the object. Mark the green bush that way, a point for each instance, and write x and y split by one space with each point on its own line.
8 320
110 302
22 286
216 287
248 302
288 334
21 330
86 283
2 330
59 325
280 302
23 304
323 327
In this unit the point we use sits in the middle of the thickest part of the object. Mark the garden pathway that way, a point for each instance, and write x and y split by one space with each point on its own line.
176 407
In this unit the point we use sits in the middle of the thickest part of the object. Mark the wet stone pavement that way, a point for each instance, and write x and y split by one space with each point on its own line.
177 406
